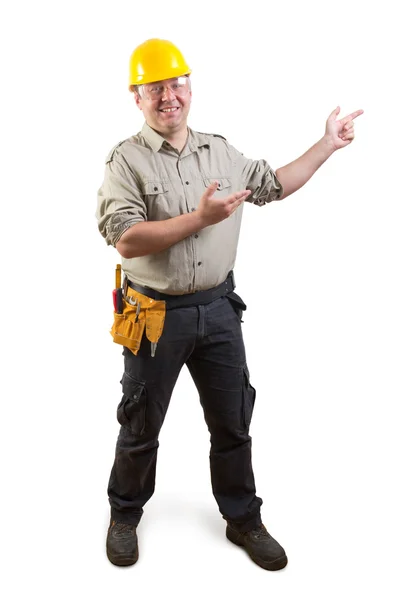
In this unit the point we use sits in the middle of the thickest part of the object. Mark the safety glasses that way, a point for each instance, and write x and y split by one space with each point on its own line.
179 86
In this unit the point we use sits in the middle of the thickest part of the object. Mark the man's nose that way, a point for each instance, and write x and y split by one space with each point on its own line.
168 94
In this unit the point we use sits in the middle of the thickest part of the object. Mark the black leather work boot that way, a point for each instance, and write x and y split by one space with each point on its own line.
122 544
260 546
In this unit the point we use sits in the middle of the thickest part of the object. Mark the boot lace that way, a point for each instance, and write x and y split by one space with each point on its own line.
121 528
260 533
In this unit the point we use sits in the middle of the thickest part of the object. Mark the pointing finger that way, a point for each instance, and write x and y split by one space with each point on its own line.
357 113
352 116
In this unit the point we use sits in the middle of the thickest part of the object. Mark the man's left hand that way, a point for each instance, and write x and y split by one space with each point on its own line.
340 133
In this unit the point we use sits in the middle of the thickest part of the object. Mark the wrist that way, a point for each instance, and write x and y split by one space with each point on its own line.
327 145
198 220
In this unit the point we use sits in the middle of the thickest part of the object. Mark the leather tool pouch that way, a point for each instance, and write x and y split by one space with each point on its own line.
128 327
126 330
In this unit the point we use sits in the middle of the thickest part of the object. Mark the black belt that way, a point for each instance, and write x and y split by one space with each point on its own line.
202 297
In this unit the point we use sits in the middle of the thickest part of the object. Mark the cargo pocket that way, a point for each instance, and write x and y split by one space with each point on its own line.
237 304
131 411
249 397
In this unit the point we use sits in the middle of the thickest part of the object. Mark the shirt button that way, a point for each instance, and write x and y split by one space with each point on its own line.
156 189
192 209
187 183
198 264
196 236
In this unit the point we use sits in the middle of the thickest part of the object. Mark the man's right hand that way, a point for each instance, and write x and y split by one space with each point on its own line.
213 210
150 237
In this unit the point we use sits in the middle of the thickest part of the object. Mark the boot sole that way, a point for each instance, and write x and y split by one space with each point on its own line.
274 565
123 560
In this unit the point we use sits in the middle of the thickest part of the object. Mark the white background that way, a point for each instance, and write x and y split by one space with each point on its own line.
318 271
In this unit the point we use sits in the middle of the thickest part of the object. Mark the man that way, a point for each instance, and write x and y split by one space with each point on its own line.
171 203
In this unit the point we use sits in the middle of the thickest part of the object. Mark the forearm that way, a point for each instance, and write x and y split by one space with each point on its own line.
294 175
150 237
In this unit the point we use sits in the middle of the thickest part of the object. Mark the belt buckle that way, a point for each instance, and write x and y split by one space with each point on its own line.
233 278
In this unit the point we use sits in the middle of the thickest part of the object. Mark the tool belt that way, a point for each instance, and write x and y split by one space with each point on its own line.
138 309
139 314
194 299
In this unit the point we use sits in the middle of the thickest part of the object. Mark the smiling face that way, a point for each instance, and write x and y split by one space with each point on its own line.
166 104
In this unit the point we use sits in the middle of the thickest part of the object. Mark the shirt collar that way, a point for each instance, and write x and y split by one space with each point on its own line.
155 140
197 140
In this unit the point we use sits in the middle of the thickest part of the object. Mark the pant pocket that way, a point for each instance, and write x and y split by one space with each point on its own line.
131 411
249 397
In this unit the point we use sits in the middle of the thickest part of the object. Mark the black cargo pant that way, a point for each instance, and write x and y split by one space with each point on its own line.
208 339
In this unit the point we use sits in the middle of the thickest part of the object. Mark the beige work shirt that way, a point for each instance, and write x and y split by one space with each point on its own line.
146 179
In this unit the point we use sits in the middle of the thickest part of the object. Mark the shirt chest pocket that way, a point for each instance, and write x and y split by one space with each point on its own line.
224 185
157 198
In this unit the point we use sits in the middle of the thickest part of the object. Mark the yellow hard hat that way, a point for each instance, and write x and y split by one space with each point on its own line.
155 60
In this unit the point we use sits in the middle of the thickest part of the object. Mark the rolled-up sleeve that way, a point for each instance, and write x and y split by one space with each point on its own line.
120 202
258 177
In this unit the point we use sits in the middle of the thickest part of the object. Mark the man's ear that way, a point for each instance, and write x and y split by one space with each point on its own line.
138 100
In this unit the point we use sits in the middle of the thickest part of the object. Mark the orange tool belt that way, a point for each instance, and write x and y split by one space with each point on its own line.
133 314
